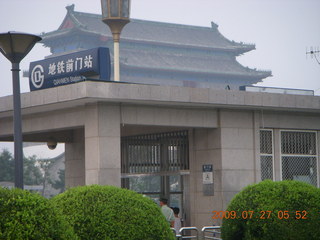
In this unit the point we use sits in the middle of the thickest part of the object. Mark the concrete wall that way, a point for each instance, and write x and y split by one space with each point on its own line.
205 148
239 150
233 150
75 160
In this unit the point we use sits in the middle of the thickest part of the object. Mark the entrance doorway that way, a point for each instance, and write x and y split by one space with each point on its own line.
155 165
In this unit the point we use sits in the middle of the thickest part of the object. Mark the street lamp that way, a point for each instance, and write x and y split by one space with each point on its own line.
115 13
15 46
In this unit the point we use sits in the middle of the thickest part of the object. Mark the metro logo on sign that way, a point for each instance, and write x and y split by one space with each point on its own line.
70 68
37 76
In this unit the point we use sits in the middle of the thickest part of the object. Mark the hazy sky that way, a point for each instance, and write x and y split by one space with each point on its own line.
280 29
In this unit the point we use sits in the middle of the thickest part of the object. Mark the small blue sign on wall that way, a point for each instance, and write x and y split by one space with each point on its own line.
207 168
70 68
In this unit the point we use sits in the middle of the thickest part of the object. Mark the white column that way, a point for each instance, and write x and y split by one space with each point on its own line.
102 145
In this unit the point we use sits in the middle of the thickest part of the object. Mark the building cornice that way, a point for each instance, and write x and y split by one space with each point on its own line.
80 94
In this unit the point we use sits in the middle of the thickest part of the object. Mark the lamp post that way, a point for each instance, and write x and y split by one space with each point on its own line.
15 46
115 13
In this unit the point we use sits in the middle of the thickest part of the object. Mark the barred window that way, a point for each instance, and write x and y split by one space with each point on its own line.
266 154
299 156
293 142
155 153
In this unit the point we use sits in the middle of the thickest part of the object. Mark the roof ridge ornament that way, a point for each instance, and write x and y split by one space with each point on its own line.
214 25
71 13
70 8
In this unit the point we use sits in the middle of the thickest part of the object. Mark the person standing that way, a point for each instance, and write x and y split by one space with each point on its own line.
167 212
177 219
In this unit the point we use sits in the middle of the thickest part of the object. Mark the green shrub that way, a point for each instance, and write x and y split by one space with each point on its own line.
283 210
106 212
26 215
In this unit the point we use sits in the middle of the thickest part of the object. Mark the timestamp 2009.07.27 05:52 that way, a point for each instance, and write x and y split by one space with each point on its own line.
281 214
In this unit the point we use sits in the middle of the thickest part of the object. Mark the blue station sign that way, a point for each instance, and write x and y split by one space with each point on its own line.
70 68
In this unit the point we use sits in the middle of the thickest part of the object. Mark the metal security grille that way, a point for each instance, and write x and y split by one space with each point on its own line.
155 153
266 154
299 156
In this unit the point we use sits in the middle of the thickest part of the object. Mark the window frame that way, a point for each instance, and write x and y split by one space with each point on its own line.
316 155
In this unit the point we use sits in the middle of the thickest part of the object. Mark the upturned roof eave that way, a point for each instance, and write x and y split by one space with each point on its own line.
252 75
51 36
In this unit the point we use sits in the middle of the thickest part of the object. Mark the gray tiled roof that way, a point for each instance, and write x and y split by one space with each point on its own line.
162 46
158 32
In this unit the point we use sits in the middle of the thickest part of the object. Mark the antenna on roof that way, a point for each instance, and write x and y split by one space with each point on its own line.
313 52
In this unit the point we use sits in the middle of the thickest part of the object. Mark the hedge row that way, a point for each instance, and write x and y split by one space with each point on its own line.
286 210
88 212
106 212
30 216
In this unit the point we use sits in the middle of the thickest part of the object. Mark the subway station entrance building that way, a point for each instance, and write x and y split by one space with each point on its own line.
191 136
197 146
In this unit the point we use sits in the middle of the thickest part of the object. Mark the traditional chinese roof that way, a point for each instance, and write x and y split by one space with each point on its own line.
209 64
157 45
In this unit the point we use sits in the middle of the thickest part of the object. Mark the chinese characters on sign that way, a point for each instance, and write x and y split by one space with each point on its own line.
70 65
